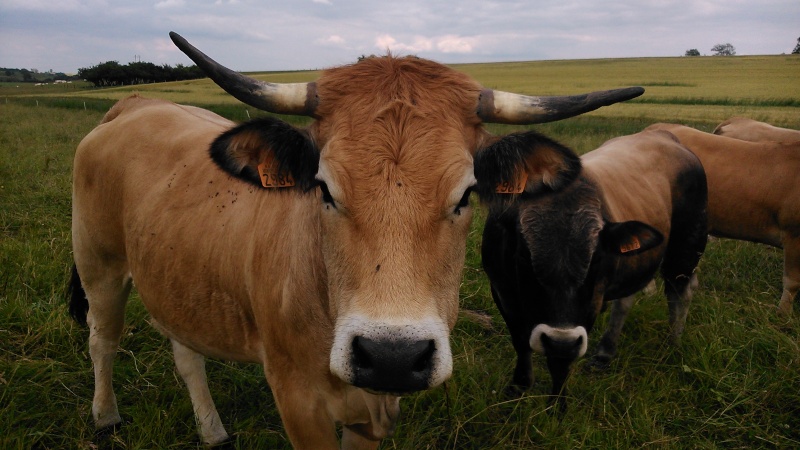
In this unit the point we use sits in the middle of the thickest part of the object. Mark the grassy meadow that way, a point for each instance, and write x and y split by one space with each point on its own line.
734 382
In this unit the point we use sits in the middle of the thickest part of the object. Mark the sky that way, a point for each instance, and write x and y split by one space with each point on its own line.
250 35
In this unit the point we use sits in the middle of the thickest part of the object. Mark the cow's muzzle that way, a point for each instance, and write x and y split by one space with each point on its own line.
391 359
392 366
567 343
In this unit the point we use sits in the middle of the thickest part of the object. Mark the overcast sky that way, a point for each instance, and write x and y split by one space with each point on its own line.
250 35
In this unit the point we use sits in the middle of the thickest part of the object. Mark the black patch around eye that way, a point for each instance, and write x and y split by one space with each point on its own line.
464 202
326 194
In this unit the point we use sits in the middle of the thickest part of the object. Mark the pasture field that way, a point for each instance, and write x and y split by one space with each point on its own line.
734 382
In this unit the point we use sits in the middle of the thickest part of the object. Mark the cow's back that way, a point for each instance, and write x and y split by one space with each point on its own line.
147 193
755 131
639 176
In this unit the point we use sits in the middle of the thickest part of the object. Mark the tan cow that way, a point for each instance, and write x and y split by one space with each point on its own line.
755 131
753 194
331 255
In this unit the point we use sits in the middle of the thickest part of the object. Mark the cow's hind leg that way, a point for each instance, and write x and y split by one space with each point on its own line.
677 269
192 368
791 274
608 343
107 290
687 243
679 296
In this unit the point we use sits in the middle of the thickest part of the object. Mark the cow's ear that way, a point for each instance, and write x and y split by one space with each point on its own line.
629 238
268 153
524 163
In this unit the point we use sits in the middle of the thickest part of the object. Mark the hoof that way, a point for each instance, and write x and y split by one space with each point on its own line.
105 432
226 444
557 406
598 364
513 391
784 310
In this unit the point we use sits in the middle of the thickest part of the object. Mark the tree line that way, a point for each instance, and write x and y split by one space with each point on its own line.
8 74
727 49
112 73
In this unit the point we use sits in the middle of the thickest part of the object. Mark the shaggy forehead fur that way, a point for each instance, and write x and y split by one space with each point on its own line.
397 129
561 231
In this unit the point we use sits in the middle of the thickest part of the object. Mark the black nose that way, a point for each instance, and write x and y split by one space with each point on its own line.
561 348
392 366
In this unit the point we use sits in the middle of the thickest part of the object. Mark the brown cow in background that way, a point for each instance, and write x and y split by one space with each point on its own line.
755 131
753 194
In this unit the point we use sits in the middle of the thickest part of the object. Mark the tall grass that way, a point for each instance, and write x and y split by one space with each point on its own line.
734 382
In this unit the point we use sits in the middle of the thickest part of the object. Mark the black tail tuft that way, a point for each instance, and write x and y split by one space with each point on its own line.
78 304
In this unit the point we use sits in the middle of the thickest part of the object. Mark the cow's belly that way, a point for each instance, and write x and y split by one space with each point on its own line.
212 324
750 225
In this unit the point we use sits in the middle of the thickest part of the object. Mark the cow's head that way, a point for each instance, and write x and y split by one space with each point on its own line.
568 249
389 161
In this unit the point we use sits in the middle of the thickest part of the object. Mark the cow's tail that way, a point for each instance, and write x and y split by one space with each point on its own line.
78 304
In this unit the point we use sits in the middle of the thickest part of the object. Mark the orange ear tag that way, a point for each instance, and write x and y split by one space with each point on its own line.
515 187
270 176
630 246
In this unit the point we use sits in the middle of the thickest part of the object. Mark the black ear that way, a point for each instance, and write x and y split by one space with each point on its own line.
523 162
629 238
268 153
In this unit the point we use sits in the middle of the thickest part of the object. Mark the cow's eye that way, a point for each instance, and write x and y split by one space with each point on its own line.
326 194
464 202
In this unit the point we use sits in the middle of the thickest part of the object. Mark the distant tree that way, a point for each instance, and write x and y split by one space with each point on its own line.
692 52
723 50
111 73
796 50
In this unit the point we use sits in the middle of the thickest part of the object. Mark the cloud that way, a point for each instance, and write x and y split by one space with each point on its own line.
323 2
455 44
387 42
446 44
333 39
164 4
51 6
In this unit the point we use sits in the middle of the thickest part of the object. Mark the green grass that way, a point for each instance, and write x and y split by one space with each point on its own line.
733 383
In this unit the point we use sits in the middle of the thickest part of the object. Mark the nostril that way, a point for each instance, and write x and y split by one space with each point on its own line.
361 352
425 351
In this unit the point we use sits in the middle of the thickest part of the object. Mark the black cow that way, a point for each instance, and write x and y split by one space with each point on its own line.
565 234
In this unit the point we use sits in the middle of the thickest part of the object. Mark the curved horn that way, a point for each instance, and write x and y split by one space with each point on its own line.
506 107
282 98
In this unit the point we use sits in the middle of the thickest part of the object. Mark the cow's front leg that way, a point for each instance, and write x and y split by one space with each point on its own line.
192 368
523 371
608 343
559 371
303 411
355 441
791 274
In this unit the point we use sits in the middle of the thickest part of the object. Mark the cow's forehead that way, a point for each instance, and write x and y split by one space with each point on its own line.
364 90
397 128
561 232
